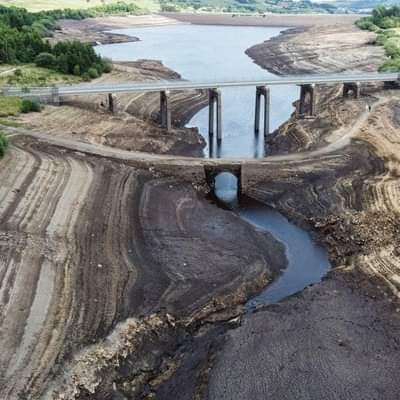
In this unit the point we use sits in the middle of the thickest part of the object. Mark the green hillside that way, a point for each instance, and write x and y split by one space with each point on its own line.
39 5
259 6
386 23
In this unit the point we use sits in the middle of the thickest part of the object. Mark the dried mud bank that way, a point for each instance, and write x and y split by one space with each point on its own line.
277 20
317 49
134 124
333 339
97 30
88 242
347 191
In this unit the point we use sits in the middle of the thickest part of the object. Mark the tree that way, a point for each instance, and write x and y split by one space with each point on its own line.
46 60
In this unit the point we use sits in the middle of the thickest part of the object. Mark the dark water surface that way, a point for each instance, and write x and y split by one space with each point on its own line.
214 53
307 261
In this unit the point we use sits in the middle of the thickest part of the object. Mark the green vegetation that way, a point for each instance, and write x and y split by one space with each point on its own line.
3 144
28 105
41 5
22 40
386 23
248 6
9 122
9 106
30 75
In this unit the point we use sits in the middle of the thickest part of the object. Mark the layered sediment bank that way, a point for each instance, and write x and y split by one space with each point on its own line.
318 49
87 242
134 125
97 30
333 339
277 20
119 279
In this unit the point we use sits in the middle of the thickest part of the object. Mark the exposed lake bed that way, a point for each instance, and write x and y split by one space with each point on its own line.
179 271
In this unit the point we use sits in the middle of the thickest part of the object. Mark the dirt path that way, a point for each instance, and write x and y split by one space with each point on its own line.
336 140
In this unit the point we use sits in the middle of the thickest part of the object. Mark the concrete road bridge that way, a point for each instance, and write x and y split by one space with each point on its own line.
307 107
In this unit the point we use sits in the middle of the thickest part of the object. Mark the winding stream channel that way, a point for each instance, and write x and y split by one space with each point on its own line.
218 52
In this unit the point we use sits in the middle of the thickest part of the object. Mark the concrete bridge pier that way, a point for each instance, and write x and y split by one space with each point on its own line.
308 100
215 102
262 91
55 96
353 88
111 105
165 110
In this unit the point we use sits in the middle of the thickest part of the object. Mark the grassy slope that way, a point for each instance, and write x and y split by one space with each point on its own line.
30 75
9 106
33 76
37 5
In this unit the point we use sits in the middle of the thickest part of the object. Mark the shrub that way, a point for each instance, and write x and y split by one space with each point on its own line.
28 105
93 73
391 65
107 67
77 70
45 60
17 72
3 144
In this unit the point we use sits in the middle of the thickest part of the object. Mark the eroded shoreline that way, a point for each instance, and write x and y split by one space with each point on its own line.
195 359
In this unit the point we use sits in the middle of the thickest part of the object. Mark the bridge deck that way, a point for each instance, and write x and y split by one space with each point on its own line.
156 86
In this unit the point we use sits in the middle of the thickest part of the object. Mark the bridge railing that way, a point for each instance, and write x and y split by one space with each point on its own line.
162 85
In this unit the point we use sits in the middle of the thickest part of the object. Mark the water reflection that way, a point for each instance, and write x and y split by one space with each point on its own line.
214 53
226 188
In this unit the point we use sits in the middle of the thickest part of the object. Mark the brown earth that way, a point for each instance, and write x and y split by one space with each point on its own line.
278 20
333 339
87 242
96 30
110 288
319 49
134 124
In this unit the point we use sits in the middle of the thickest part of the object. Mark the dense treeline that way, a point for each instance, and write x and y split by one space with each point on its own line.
119 8
22 39
385 21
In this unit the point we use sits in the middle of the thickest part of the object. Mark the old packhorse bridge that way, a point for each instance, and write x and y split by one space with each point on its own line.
307 105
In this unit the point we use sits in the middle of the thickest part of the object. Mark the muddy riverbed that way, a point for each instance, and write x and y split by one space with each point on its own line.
150 279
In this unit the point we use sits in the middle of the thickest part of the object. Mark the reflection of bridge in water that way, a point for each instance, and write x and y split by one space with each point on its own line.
307 106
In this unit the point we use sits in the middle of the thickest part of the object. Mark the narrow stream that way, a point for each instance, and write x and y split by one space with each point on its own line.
307 262
218 52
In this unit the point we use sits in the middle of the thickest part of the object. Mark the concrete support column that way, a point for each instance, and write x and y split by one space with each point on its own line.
165 110
111 107
310 109
262 91
215 102
5 89
55 96
353 87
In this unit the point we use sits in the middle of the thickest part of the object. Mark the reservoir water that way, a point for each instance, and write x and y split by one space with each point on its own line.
214 53
218 52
